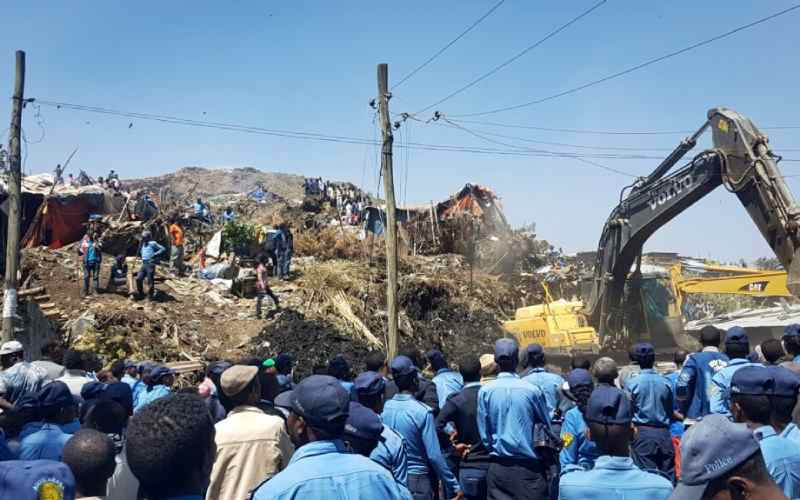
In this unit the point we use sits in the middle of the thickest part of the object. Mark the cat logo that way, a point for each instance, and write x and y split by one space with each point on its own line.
49 489
567 439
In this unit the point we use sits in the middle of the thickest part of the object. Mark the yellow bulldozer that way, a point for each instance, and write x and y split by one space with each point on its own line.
562 327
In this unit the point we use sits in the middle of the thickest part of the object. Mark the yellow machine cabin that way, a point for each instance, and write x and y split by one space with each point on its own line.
559 326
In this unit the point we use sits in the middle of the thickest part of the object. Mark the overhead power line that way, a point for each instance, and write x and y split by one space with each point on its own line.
513 151
514 58
630 69
601 132
449 44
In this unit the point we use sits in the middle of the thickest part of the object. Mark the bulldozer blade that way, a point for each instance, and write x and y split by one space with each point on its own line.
793 280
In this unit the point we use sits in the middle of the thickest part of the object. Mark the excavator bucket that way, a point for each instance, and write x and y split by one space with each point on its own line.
793 280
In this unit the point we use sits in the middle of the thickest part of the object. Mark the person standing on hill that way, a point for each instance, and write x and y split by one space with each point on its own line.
150 251
262 285
176 254
92 258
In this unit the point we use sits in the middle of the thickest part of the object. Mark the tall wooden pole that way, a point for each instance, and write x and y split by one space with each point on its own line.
391 221
14 202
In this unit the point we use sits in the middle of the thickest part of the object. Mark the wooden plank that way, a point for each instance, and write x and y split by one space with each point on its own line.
48 305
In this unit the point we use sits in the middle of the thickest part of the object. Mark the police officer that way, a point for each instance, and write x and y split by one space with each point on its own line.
391 449
548 383
737 347
750 390
609 414
461 409
447 381
426 389
791 343
511 412
651 397
362 430
693 388
316 424
44 439
414 421
577 449
782 402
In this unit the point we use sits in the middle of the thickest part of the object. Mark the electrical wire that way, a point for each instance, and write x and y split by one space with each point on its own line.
514 151
600 132
632 68
514 58
449 44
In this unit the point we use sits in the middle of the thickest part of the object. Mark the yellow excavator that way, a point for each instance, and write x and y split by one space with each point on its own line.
611 299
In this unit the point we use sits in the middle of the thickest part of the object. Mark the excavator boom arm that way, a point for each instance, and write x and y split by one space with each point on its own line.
742 161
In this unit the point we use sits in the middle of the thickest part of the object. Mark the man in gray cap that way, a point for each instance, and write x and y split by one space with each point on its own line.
722 460
321 462
510 413
609 415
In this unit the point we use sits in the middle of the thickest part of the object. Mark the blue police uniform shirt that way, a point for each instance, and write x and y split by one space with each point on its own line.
391 454
350 388
613 477
720 401
146 397
71 427
136 391
5 450
782 457
577 449
508 411
548 383
447 382
324 469
676 427
791 432
40 440
414 422
694 387
651 396
150 250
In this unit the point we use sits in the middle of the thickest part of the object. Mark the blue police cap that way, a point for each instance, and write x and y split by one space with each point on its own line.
534 350
787 383
736 335
643 350
436 359
363 423
121 393
56 394
579 377
506 349
321 401
159 372
609 405
130 364
92 390
791 331
36 479
402 366
283 362
369 384
752 380
710 449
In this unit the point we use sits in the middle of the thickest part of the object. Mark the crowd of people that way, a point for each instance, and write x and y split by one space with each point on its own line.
503 426
349 201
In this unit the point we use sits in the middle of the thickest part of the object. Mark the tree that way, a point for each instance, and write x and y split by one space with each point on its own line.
768 264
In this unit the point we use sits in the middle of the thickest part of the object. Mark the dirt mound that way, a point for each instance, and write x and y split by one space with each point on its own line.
210 182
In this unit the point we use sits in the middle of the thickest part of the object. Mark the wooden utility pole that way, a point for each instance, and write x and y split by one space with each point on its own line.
391 221
14 202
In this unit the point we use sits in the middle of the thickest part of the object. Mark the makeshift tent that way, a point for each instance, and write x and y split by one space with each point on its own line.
53 215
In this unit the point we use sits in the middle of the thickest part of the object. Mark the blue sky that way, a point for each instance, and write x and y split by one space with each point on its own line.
310 66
